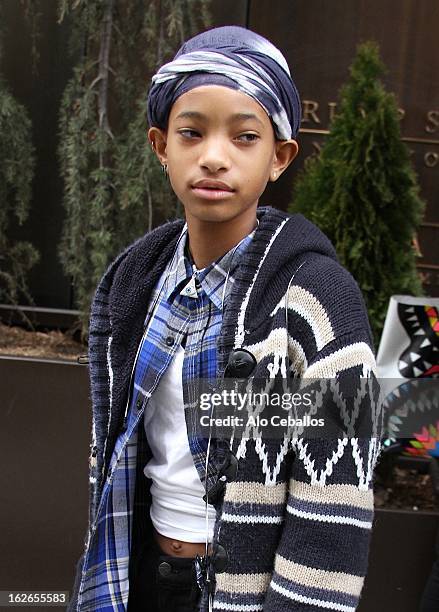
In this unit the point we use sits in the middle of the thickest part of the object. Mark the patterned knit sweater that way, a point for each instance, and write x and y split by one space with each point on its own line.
296 521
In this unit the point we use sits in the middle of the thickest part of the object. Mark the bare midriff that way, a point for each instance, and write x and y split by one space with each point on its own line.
178 548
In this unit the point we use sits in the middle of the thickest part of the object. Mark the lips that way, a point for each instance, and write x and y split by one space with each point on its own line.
212 185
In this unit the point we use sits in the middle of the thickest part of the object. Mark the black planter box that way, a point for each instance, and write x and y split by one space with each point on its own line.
401 555
44 436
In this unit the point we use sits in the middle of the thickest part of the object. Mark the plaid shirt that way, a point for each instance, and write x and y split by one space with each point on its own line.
186 305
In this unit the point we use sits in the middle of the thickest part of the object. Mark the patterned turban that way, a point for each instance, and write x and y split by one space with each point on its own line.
233 57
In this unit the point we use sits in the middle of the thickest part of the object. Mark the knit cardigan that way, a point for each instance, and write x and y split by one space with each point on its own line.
296 521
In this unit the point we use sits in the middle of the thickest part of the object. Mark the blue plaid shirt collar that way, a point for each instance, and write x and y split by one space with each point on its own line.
184 277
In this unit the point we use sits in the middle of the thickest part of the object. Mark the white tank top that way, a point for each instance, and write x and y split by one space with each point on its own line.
177 509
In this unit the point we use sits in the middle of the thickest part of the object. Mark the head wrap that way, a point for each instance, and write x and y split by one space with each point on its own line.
233 57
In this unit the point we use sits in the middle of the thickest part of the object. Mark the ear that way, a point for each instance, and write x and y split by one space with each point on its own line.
158 139
286 151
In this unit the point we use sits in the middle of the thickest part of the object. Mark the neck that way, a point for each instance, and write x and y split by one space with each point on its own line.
209 240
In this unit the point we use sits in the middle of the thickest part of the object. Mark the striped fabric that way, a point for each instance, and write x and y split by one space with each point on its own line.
244 73
296 522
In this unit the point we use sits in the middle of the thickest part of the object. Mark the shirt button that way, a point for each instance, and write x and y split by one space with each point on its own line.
139 404
169 340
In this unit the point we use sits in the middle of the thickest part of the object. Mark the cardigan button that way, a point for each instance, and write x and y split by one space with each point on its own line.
227 472
241 364
165 568
229 469
220 559
169 341
213 494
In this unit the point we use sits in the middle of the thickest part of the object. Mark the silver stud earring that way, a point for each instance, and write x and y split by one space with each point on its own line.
165 170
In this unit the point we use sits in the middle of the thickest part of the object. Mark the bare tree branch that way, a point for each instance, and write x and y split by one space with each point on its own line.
104 67
160 38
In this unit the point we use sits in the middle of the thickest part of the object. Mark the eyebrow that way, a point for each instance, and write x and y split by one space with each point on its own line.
232 118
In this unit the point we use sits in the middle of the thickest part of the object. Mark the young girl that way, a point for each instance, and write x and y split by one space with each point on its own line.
177 521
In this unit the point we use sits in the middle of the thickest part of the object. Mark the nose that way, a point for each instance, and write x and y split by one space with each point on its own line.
214 155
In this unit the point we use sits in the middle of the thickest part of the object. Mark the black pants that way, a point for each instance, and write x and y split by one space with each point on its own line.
151 591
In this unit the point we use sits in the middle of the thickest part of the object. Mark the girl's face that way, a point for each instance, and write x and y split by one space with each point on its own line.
221 152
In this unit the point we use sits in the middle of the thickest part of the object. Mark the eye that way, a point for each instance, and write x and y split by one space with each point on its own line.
187 133
248 138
